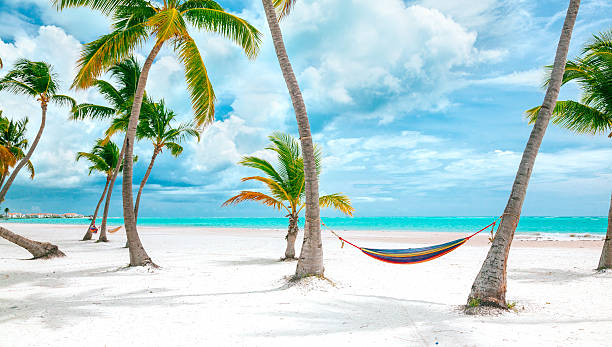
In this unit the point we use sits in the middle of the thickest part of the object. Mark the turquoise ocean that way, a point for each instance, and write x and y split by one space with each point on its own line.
560 225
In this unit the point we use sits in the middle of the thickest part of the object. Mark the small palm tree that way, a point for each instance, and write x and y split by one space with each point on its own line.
156 125
125 74
37 80
285 183
134 23
6 212
311 258
13 140
593 114
12 144
104 158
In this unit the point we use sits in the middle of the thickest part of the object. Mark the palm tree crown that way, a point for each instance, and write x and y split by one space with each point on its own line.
103 157
136 21
286 181
593 73
120 98
13 140
34 79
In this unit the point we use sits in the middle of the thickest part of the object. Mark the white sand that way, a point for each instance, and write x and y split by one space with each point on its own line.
226 288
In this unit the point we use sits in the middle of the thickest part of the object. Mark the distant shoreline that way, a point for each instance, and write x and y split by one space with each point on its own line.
545 228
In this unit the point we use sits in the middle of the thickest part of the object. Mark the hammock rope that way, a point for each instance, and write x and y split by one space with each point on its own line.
413 255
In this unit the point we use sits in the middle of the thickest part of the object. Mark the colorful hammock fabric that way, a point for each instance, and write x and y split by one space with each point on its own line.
413 255
114 230
93 229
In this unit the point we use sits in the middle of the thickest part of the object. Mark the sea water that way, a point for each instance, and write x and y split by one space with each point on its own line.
527 224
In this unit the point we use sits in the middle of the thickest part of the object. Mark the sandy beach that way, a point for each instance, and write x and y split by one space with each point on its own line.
226 287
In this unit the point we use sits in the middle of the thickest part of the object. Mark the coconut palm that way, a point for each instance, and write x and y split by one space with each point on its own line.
104 158
13 142
125 74
36 80
593 114
134 23
6 212
285 183
156 125
311 257
489 287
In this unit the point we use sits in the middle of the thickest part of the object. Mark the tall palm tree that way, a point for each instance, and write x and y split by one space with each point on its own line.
156 125
593 114
311 257
489 287
286 185
6 212
126 74
104 158
134 23
37 80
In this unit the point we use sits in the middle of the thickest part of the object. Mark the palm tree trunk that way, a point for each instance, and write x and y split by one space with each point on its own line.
3 178
88 234
311 256
605 262
489 287
102 237
144 181
110 191
291 236
38 249
138 255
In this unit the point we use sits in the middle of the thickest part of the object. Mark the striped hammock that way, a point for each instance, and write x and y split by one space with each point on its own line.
413 255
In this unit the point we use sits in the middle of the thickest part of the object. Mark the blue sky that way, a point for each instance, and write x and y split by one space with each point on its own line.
417 105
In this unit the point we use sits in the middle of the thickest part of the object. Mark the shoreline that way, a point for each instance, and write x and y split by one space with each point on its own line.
394 238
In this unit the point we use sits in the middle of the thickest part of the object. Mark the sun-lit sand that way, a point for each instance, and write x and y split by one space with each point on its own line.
221 287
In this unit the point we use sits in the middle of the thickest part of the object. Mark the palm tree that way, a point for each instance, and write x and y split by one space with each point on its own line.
13 140
286 185
489 287
126 73
104 158
37 80
156 125
136 21
311 257
593 114
6 212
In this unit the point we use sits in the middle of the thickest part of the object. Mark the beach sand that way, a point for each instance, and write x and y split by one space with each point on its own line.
226 287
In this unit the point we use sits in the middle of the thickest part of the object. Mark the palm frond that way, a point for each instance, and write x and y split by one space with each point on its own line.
30 168
283 7
232 27
91 111
576 117
104 6
65 100
338 201
263 165
254 196
199 86
277 190
175 148
167 24
99 55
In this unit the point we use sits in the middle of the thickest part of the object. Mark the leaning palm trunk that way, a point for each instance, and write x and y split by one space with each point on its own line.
311 256
138 255
489 287
38 249
605 262
291 236
88 234
144 181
